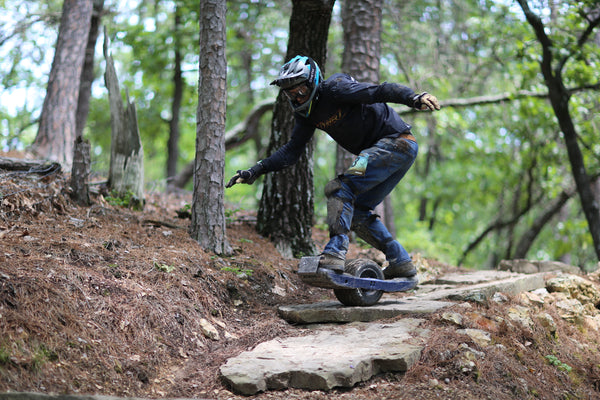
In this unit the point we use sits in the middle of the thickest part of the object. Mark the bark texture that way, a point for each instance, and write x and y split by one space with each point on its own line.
178 86
87 73
81 172
57 128
208 211
361 21
286 211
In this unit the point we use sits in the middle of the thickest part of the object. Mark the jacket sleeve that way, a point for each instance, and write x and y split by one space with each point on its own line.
289 154
345 89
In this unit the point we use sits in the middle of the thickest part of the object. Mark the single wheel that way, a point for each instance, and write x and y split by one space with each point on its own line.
361 268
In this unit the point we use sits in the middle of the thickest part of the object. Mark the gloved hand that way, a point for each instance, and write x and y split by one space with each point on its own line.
426 101
246 176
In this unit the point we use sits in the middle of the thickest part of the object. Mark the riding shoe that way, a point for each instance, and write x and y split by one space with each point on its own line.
332 262
404 270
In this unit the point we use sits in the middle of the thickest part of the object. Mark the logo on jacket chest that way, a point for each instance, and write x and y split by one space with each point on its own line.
334 119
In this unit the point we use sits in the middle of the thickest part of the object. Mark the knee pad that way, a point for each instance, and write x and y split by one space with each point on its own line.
335 208
332 186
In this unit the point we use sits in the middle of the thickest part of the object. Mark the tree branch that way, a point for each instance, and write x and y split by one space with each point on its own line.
247 128
236 136
494 99
538 224
593 23
498 224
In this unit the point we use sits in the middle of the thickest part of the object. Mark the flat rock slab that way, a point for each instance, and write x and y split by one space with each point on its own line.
475 277
333 311
515 284
327 358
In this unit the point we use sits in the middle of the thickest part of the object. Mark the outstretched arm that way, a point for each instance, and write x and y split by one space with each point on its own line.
344 88
284 157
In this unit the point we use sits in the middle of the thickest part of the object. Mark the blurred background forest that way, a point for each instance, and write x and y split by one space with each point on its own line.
493 170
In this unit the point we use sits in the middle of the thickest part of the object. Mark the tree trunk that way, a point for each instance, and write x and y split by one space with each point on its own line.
208 210
286 211
432 155
559 99
80 173
126 170
178 84
87 73
56 133
81 152
361 21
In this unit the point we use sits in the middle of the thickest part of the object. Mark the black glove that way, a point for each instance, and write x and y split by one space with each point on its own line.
426 101
246 176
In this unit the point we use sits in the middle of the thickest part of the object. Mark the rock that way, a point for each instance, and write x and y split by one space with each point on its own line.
209 329
278 290
521 266
473 277
452 317
575 287
548 266
592 322
482 338
570 310
325 359
467 358
336 312
470 353
532 267
548 322
425 271
520 315
512 284
434 383
535 297
499 298
595 275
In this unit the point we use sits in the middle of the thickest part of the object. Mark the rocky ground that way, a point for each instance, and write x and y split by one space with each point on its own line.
107 300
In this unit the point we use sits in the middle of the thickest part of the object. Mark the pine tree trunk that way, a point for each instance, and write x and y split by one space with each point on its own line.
178 85
208 210
81 172
286 208
81 152
56 133
361 21
87 73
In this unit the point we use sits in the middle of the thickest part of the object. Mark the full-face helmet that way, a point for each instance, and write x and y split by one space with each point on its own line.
300 70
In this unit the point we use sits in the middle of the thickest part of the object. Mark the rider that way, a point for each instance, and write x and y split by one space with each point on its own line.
357 117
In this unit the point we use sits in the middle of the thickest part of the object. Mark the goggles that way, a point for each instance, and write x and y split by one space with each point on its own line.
298 94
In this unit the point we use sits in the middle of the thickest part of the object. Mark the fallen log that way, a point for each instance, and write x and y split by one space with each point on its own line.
40 167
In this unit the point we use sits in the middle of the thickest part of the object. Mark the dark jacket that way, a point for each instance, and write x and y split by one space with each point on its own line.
354 114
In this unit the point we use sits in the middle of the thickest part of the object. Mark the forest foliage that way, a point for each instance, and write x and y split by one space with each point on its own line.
486 170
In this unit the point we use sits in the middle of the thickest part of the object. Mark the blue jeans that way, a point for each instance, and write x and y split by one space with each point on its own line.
352 197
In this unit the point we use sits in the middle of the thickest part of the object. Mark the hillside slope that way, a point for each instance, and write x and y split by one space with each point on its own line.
111 301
